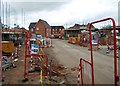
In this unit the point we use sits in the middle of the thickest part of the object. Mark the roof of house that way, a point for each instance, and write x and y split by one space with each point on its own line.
110 28
78 27
72 30
57 27
45 23
32 24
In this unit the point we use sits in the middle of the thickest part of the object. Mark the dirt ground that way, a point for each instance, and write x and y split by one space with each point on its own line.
16 75
65 55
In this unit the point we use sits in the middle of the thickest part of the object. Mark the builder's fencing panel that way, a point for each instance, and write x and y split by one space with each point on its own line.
86 72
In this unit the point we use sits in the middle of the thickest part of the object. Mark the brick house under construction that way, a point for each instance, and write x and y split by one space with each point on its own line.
41 28
57 31
32 27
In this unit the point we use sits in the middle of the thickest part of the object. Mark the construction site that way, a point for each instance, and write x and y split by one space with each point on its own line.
52 55
77 60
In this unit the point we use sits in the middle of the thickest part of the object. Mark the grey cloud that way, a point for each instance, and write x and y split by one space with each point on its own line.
36 6
38 0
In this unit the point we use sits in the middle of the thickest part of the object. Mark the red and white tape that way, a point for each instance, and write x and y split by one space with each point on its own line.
16 51
78 81
31 60
12 56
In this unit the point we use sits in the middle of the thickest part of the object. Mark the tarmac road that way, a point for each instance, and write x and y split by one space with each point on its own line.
69 55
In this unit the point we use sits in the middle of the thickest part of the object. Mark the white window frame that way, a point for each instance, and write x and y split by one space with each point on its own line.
37 28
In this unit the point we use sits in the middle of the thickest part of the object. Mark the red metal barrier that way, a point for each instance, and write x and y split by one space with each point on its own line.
36 74
26 34
78 81
27 46
27 55
116 77
115 53
85 79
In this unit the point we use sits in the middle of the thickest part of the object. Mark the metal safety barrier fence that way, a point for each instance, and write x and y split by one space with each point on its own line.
85 72
116 76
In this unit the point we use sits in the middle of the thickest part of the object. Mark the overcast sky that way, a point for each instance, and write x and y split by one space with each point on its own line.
63 12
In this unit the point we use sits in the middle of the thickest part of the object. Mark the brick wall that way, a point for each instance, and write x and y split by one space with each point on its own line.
56 30
40 29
